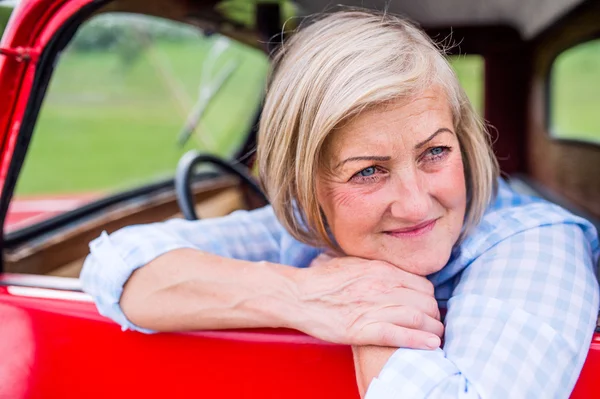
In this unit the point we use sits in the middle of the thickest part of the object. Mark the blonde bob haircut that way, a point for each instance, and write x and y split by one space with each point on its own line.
329 71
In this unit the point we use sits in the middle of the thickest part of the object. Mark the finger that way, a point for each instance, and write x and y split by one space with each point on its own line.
407 317
386 334
413 299
433 326
412 281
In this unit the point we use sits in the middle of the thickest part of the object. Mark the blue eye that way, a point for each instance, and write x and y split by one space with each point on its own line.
370 171
436 151
372 174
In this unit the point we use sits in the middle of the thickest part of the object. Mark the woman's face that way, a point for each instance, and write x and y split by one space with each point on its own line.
392 186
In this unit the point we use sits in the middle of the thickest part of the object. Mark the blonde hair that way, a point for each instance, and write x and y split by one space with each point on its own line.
330 71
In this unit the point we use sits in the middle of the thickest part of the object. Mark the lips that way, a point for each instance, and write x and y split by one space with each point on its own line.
413 231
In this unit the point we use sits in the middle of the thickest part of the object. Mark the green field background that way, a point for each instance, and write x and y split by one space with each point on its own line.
111 118
106 126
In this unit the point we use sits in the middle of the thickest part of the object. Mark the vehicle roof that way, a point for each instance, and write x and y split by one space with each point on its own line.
528 17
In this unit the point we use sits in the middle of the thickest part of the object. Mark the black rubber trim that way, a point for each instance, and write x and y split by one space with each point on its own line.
185 170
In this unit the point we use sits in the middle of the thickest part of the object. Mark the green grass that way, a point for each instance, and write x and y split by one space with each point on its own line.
4 16
107 125
469 70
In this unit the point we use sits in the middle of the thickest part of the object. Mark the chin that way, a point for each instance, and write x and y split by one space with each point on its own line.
423 262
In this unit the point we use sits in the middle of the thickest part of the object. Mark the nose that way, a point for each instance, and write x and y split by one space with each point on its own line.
409 198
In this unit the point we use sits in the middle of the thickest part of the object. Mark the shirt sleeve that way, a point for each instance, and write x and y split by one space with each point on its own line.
248 235
519 324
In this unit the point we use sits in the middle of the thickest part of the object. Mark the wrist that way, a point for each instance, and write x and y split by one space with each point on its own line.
293 307
279 297
305 307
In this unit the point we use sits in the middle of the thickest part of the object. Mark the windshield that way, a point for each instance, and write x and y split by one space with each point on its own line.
128 97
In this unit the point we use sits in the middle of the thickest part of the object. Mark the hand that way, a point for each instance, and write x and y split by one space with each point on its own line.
356 301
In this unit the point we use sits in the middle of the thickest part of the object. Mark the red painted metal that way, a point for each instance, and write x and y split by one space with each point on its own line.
588 385
25 211
21 54
63 349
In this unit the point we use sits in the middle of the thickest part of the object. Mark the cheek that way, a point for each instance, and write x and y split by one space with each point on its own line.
348 209
345 199
449 187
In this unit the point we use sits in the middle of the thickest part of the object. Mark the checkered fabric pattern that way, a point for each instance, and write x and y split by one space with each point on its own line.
521 295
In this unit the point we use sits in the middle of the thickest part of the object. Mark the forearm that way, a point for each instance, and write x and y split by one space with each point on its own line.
187 289
368 362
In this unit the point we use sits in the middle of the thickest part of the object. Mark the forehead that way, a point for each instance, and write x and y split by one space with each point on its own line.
404 119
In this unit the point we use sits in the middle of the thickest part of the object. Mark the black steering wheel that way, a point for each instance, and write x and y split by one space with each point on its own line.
183 179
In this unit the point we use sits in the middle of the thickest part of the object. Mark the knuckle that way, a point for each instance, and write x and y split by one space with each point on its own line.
388 336
368 334
352 337
429 288
432 307
416 320
410 340
397 337
379 285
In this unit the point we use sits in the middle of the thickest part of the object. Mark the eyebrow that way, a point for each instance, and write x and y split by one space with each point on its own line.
365 158
428 139
387 158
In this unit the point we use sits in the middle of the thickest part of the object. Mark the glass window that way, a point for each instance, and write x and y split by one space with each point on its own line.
470 72
128 97
5 11
575 93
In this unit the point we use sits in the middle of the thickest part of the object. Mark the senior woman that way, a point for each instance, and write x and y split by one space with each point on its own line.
382 179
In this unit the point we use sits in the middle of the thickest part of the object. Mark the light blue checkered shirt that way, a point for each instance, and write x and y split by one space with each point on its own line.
521 294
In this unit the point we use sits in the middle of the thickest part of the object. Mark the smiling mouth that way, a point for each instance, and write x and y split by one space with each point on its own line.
413 231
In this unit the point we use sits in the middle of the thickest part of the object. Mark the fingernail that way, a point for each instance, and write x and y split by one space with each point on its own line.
433 342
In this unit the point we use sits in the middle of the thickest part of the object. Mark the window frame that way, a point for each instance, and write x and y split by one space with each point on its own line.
43 74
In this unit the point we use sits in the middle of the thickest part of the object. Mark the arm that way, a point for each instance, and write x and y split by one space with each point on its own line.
519 324
229 273
171 261
368 363
187 289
